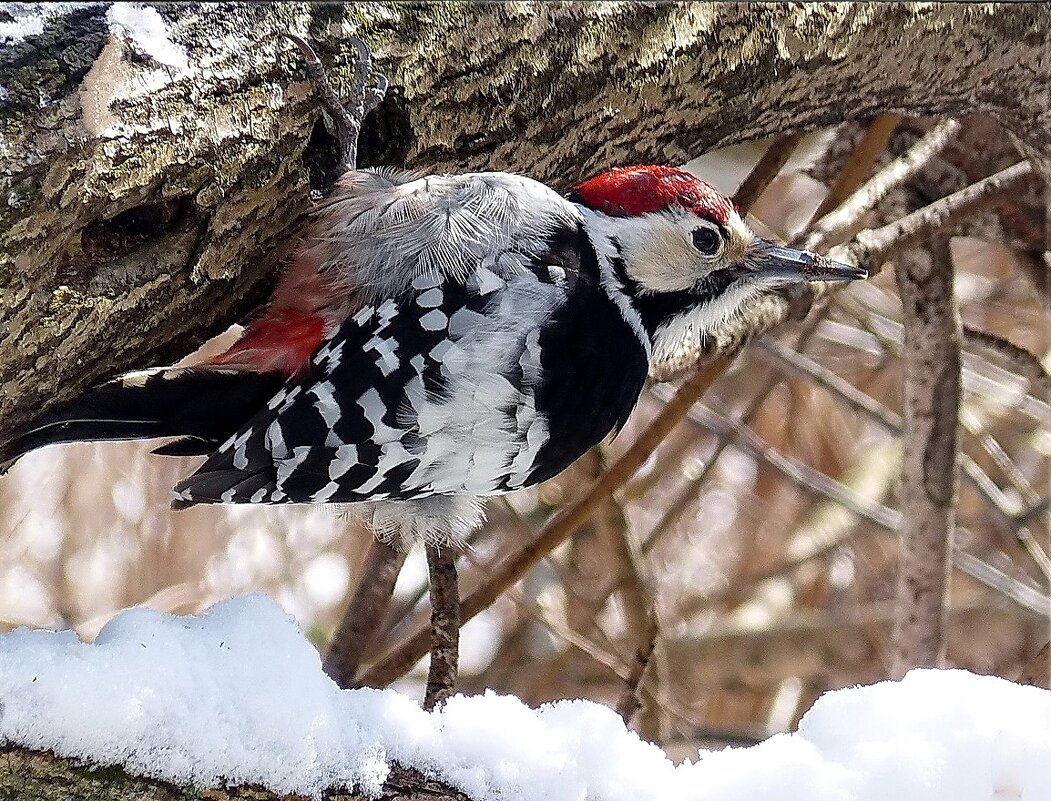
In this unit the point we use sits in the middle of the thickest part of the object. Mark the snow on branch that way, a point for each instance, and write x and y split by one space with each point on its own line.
237 696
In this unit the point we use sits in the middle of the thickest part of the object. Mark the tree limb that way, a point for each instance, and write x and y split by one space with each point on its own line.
144 205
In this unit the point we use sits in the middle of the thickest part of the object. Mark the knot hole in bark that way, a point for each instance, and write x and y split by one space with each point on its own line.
105 245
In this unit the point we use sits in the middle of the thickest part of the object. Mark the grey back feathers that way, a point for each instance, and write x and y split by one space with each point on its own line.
382 229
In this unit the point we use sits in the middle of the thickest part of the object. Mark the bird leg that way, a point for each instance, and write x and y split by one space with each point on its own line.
346 116
445 625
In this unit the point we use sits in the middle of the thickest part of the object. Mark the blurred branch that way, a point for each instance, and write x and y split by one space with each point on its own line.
1022 594
1018 358
848 214
863 505
858 165
775 157
795 363
928 478
594 651
805 643
1037 671
365 613
639 584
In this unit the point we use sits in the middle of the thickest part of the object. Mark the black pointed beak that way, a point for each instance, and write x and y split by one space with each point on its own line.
775 262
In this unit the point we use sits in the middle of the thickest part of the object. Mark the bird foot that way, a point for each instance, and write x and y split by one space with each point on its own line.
346 116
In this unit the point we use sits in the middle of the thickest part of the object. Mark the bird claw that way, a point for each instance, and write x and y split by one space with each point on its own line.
345 116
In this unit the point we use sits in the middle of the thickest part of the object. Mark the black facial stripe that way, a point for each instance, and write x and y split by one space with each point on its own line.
716 282
656 308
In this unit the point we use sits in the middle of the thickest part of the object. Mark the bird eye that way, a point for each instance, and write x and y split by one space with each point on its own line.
707 240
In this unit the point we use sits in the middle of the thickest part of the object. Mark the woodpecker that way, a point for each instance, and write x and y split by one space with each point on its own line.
438 339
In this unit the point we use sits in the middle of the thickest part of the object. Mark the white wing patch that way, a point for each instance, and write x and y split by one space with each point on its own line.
484 434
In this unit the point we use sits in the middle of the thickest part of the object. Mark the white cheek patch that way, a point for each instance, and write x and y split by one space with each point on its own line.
664 261
680 339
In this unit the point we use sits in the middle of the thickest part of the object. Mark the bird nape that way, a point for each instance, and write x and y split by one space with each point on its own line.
435 340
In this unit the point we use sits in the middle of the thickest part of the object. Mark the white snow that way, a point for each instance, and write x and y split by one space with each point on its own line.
143 28
236 695
28 19
147 33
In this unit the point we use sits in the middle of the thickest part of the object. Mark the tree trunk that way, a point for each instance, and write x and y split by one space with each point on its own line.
929 469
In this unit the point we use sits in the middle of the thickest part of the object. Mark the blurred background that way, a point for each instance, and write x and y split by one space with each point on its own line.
757 543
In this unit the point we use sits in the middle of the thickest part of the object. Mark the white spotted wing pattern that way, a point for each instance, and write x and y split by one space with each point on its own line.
435 387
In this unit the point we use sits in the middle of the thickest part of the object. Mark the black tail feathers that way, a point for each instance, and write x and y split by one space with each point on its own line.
202 406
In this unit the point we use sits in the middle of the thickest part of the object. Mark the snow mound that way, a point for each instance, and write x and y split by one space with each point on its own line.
236 695
147 33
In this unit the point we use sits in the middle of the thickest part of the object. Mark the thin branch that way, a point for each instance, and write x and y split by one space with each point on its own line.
771 163
847 216
445 625
871 247
364 616
928 479
991 380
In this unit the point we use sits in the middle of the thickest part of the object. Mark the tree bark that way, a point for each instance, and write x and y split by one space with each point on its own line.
31 776
143 205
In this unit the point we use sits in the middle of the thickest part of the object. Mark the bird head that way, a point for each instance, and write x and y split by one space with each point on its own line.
682 254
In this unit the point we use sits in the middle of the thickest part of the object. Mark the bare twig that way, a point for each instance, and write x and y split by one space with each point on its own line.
928 479
871 247
848 214
403 657
445 625
365 613
860 163
775 157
